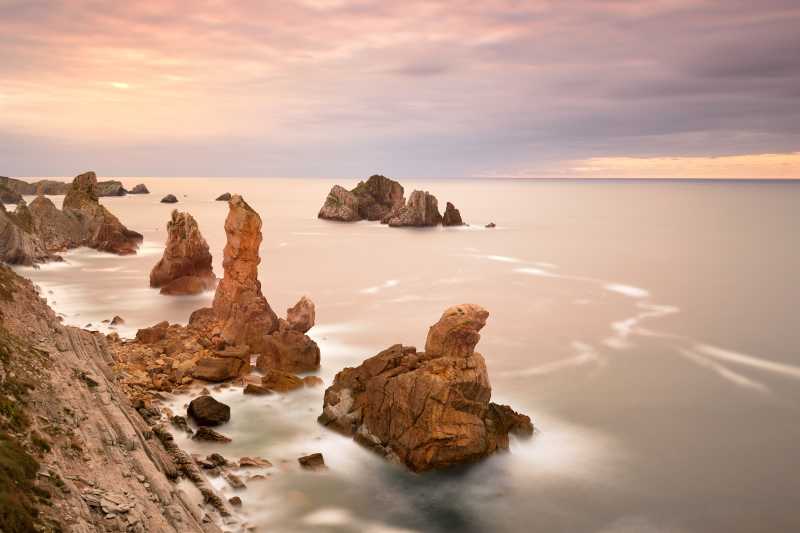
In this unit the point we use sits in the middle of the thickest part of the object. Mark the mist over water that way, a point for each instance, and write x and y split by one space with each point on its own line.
648 328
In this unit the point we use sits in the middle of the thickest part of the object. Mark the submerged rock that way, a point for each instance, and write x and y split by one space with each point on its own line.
185 267
141 188
452 216
169 199
422 210
341 205
207 411
425 410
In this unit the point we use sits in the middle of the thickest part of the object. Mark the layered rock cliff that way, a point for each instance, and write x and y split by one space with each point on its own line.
429 409
185 267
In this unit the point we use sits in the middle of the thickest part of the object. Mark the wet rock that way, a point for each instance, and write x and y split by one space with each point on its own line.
179 422
218 369
491 225
217 459
256 390
288 350
140 188
301 316
312 381
208 434
254 462
279 381
234 481
224 197
425 410
117 320
315 461
185 267
452 216
169 199
235 501
340 205
153 334
207 411
421 210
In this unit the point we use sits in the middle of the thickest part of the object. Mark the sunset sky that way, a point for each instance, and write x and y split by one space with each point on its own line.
339 88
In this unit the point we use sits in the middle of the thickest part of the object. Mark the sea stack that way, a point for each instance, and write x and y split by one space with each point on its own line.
426 410
452 216
422 210
373 199
185 267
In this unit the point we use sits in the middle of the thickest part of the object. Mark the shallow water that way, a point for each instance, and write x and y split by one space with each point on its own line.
649 329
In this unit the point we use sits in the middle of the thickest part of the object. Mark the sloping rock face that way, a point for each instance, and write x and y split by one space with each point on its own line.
239 305
101 230
422 210
378 196
58 230
341 205
452 216
425 410
185 267
18 244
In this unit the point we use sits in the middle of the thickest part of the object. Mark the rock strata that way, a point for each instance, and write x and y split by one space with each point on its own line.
185 267
426 410
422 210
452 216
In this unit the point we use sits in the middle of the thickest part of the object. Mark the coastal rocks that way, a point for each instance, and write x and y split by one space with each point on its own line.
289 350
207 411
153 334
219 369
243 313
425 410
7 196
209 435
341 205
18 245
141 188
224 197
99 228
422 210
185 267
300 316
378 196
256 390
315 461
169 199
491 225
110 188
452 216
278 381
58 230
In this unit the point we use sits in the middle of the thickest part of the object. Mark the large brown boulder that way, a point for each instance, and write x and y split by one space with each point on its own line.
289 350
378 196
422 209
301 315
101 230
218 369
452 216
207 411
425 410
341 205
153 334
242 311
185 267
278 381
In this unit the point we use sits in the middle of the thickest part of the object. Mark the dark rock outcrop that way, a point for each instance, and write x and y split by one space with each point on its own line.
169 199
141 188
491 225
185 267
452 216
422 210
341 205
425 410
378 196
224 197
207 411
315 461
110 188
208 434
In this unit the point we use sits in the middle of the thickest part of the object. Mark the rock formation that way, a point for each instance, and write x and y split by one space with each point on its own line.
378 196
169 199
452 216
425 410
110 188
99 228
301 315
288 349
224 197
422 210
58 230
185 267
141 188
7 196
18 244
58 188
207 411
341 205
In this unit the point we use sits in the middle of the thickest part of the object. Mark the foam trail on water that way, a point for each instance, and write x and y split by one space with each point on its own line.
586 354
535 272
748 360
627 290
377 288
724 372
503 259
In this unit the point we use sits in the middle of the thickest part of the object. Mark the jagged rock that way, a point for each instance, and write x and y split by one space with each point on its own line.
279 381
99 228
141 188
224 197
341 205
207 411
37 187
7 196
234 481
117 320
180 423
185 267
491 225
288 350
152 334
425 410
422 210
315 461
208 434
240 307
110 188
378 196
58 230
301 316
18 245
169 199
218 369
452 216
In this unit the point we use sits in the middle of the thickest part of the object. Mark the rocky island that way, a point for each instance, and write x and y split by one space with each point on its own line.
12 186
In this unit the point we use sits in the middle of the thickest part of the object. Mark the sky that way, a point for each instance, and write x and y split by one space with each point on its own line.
348 88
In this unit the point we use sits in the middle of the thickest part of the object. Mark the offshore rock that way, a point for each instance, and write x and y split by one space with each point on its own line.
141 188
224 197
341 205
452 216
169 199
110 188
378 196
422 210
426 410
185 267
18 244
59 231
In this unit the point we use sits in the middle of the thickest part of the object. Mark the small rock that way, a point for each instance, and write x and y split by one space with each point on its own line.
141 188
235 501
312 381
207 411
315 461
491 225
234 481
169 199
281 381
257 390
246 462
117 320
208 434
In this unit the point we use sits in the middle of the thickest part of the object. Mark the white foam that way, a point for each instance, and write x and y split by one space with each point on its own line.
503 259
329 516
724 372
388 284
534 272
586 354
627 290
748 360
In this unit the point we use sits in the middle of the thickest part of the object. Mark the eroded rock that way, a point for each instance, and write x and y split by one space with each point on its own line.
341 205
140 188
422 209
169 199
452 216
301 315
185 267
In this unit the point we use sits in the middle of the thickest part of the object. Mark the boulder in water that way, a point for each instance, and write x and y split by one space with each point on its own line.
340 205
224 197
169 199
141 188
207 411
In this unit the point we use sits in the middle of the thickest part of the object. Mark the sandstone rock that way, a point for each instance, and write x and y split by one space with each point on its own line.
256 390
288 350
169 199
99 228
315 461
218 369
248 462
208 434
224 197
425 410
279 381
141 188
312 381
152 334
185 267
301 316
207 411
378 196
234 481
58 230
240 307
422 210
110 188
341 205
452 216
